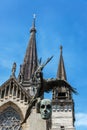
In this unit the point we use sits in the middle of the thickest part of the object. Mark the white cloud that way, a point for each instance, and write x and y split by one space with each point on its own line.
81 119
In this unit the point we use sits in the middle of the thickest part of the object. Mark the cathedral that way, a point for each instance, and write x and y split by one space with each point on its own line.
16 93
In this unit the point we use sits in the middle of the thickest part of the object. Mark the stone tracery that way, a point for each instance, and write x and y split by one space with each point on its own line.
9 119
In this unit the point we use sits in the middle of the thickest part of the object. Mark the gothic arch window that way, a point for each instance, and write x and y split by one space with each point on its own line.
10 119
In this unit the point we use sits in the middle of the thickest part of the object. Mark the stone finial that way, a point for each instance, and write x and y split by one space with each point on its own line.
13 69
20 76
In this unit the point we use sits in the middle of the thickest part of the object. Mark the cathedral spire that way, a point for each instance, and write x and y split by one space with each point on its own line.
61 73
30 59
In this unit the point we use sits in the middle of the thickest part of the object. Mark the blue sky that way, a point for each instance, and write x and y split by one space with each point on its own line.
59 22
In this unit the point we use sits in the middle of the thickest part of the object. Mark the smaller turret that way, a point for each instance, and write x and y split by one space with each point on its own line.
63 105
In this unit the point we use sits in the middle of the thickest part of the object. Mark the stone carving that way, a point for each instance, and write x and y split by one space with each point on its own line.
14 69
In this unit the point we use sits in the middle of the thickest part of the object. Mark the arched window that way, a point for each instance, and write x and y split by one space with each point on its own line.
10 119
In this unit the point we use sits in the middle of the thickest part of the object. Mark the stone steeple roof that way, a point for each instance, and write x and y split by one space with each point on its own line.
61 73
30 59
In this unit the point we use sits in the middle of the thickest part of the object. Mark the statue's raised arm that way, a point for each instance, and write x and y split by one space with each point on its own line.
37 80
41 67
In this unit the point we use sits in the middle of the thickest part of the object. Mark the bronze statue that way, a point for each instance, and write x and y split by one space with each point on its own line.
44 86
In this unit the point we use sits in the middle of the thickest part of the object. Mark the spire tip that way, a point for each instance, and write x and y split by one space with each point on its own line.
61 47
33 24
34 16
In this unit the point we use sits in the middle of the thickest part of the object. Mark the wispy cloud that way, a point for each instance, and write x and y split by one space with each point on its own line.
81 119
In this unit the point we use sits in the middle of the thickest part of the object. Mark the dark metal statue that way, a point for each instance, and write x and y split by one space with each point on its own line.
44 86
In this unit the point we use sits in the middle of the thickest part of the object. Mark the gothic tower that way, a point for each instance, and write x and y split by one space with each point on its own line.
63 105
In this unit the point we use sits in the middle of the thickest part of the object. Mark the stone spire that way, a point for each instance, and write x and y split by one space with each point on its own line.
61 73
30 59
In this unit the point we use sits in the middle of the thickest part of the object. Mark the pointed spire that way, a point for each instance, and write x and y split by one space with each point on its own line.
30 60
61 73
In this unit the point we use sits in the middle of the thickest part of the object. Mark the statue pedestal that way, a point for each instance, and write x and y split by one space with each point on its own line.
35 122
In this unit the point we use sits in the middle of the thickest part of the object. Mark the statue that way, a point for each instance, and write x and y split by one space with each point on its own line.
42 86
14 69
46 109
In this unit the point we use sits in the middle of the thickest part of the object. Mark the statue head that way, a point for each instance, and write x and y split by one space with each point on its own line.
45 108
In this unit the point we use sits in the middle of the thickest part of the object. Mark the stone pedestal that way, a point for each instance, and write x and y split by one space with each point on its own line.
35 122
